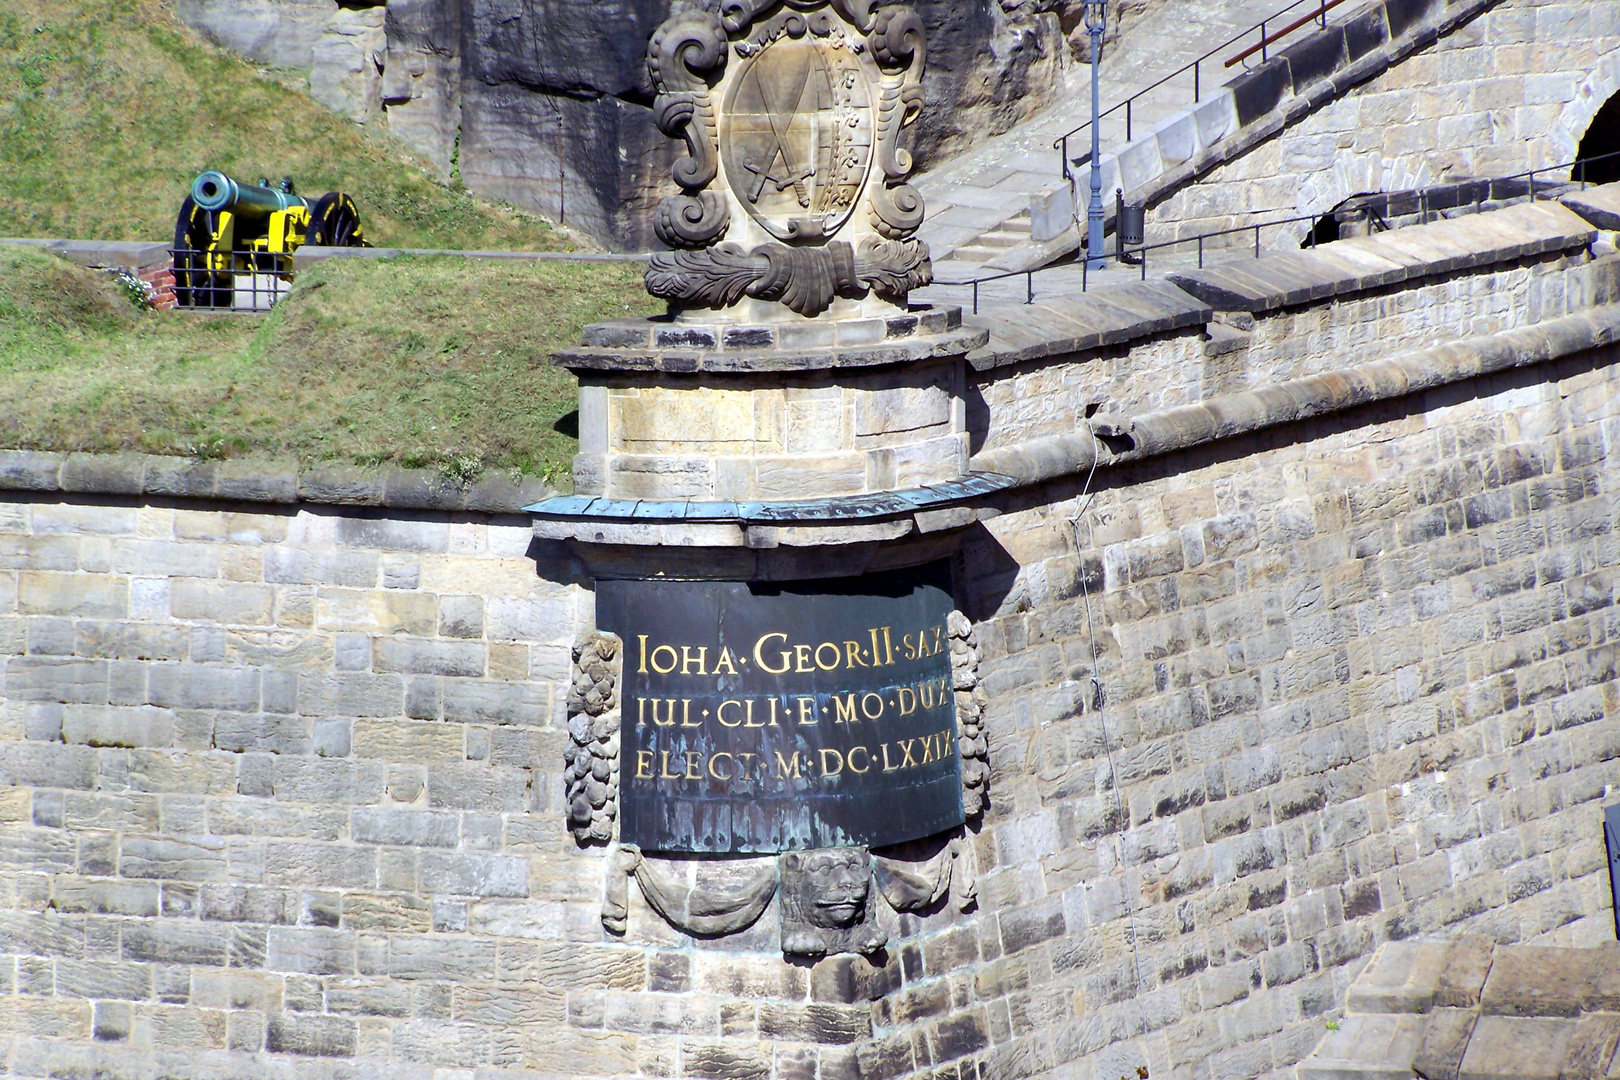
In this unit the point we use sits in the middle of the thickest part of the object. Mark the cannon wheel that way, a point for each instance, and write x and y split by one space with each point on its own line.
194 284
335 222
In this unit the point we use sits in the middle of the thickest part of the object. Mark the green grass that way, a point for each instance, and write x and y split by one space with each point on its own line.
110 108
415 362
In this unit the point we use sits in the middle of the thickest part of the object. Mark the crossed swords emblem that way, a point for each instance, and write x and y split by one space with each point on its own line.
780 120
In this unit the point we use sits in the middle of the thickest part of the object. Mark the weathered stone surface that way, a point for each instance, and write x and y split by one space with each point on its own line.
276 33
551 101
1250 712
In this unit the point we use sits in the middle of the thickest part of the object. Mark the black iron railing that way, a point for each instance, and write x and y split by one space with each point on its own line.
1268 35
1425 204
230 281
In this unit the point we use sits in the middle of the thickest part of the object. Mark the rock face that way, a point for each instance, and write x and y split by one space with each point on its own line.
275 33
346 62
546 104
421 77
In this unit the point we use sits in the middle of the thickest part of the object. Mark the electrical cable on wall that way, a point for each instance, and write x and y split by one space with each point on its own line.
1087 497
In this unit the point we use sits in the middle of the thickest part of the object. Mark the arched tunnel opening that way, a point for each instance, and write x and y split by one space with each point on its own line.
1602 138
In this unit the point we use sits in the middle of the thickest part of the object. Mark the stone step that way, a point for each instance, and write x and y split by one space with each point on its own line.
1000 241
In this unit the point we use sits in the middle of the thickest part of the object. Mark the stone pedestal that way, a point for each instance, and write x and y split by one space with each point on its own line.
769 412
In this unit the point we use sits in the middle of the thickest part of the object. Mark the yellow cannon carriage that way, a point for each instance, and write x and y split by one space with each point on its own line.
234 242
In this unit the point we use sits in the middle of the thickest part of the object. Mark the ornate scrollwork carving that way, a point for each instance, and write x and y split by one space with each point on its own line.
685 54
898 44
805 279
898 211
739 15
692 221
817 100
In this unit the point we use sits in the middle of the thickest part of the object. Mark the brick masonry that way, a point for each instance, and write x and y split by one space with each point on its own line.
281 786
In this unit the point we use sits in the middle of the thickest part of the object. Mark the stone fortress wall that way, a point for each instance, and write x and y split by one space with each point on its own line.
283 786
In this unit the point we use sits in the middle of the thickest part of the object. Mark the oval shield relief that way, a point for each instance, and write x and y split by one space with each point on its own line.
797 141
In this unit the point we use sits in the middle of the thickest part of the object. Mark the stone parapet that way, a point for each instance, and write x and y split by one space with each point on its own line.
253 481
1361 264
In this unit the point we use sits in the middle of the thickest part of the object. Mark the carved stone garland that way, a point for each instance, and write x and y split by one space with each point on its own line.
860 69
592 755
970 703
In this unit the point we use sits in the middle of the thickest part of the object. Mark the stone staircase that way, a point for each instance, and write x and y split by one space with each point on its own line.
988 246
982 191
1006 207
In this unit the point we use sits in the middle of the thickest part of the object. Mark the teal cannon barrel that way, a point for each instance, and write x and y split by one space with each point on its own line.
214 191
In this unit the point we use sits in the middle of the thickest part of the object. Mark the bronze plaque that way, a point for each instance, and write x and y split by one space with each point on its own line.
785 717
797 135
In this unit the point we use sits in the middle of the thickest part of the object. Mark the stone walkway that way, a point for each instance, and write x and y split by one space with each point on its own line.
978 203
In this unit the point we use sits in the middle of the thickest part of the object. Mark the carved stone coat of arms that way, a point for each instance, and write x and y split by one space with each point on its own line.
794 191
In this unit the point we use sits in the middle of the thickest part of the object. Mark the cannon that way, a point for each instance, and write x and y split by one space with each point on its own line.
233 238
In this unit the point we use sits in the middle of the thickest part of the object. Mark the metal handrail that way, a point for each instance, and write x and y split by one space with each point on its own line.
1196 67
1422 198
1268 40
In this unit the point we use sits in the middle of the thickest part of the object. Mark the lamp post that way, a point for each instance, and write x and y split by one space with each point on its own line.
1096 15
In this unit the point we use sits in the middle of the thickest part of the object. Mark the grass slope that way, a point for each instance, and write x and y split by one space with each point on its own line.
418 362
109 109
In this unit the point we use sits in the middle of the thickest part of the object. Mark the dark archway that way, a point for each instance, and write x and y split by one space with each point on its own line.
1602 137
1325 231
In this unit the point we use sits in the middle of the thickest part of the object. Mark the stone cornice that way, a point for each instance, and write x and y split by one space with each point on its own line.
152 476
1110 440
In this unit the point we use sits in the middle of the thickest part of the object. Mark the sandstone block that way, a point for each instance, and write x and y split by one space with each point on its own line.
393 912
444 959
112 1021
402 742
1379 1047
198 686
496 702
165 558
406 828
477 786
312 1036
337 866
507 1006
90 596
368 997
1516 1048
461 617
103 979
299 566
106 725
474 874
374 612
312 780
463 659
311 951
351 694
196 859
250 732
224 602
169 941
